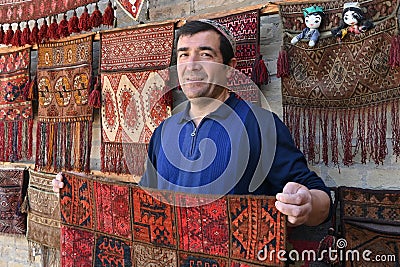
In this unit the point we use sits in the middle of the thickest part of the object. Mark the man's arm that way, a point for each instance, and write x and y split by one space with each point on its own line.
303 206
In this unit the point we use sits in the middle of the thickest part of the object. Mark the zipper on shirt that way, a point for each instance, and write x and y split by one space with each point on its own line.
193 135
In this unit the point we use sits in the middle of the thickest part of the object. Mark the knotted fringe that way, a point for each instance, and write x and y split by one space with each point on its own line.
95 95
2 34
35 33
108 16
26 35
16 140
84 21
63 146
63 27
42 35
328 135
8 36
260 74
73 23
96 18
282 64
128 158
52 32
50 257
16 40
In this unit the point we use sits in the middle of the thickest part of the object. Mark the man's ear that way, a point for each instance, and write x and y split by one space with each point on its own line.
231 67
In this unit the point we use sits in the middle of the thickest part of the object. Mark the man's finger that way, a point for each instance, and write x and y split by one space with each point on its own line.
292 210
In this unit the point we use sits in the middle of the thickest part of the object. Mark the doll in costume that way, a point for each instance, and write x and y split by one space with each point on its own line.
353 21
313 18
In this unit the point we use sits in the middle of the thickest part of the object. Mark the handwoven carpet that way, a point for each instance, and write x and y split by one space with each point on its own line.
370 221
13 11
135 98
13 184
245 28
340 98
43 217
133 7
119 224
64 130
16 115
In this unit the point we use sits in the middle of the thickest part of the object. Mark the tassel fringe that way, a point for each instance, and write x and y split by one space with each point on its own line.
282 64
16 140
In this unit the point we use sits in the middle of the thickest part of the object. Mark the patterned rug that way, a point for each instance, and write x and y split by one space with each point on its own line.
16 115
245 27
335 87
370 221
133 7
116 224
43 217
16 10
135 94
13 185
64 130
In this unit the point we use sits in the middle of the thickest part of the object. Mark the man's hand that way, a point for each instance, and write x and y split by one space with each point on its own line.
57 182
301 205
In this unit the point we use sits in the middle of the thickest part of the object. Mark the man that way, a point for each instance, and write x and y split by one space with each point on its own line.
221 144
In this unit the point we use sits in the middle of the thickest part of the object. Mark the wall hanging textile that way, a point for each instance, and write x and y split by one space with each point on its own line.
13 184
12 11
245 28
133 7
370 220
117 224
340 97
64 129
43 206
135 98
16 116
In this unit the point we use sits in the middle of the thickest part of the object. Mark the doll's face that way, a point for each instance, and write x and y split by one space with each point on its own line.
350 18
313 21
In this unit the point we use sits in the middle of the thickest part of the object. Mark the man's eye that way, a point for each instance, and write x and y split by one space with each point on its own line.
182 55
205 55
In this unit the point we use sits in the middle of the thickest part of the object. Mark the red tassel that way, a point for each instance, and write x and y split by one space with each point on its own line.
96 18
16 40
2 34
42 36
283 64
260 73
394 54
84 21
63 27
35 33
73 24
26 35
52 32
108 17
8 36
94 97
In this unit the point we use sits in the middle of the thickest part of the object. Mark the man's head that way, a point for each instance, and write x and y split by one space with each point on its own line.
227 41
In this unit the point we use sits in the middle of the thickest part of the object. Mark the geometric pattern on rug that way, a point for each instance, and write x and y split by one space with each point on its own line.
169 229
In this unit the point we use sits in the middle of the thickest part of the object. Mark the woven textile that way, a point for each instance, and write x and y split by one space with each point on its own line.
169 229
13 184
134 103
64 130
133 7
16 115
245 28
16 10
43 216
334 88
370 221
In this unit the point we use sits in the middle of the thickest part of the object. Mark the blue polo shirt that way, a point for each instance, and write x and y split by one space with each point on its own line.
238 149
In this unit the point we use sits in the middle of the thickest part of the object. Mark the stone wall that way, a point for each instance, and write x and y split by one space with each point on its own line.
14 250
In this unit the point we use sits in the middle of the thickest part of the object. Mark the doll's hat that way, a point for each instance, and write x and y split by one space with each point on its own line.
352 4
312 9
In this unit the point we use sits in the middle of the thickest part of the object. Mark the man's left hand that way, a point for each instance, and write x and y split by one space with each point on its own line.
296 202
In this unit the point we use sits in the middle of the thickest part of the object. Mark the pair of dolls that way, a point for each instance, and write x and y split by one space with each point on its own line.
353 21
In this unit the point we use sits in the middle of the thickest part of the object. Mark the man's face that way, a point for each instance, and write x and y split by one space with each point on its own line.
201 71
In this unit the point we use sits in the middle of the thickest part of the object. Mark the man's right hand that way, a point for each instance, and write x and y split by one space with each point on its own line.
57 182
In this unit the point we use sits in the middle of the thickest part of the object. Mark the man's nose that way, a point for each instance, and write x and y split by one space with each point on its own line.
193 62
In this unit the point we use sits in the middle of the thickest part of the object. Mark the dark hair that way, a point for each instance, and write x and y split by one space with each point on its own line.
193 27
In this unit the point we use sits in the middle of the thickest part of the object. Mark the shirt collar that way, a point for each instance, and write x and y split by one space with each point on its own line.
222 111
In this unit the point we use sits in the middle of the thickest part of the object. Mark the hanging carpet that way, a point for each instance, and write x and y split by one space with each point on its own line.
13 185
370 220
245 28
16 116
108 223
64 130
43 218
135 97
13 11
340 98
132 7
